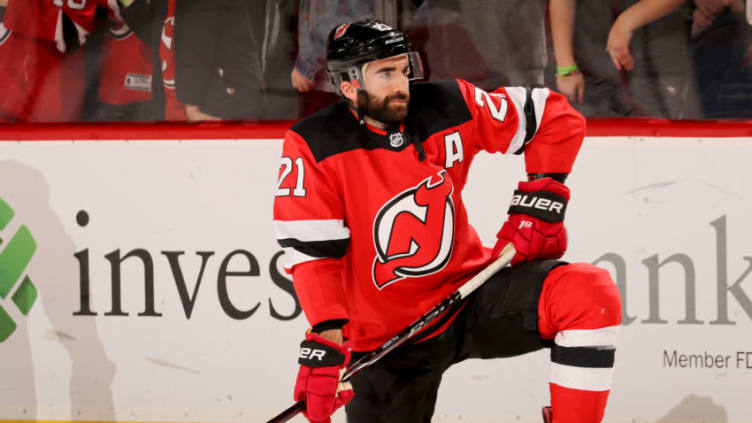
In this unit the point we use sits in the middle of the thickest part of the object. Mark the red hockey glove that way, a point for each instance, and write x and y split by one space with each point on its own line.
536 221
321 364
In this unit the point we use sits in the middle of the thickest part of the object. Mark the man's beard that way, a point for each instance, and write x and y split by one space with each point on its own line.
384 111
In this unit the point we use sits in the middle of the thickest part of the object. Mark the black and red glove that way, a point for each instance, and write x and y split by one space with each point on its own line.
321 364
536 221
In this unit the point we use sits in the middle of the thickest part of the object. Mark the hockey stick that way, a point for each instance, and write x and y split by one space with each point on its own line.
462 292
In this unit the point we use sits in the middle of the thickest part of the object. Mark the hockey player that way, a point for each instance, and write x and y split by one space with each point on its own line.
369 210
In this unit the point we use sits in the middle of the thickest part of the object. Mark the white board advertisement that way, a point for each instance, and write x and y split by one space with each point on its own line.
145 282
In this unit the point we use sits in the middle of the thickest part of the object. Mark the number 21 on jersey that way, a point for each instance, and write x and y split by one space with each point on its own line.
287 165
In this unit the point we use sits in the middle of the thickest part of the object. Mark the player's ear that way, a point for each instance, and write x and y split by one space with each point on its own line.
349 91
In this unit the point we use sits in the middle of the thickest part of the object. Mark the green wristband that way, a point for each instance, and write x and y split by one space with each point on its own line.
564 71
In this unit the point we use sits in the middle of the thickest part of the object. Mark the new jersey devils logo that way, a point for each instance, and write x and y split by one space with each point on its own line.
414 232
340 31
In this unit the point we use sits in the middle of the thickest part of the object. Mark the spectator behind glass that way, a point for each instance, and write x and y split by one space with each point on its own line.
233 59
722 51
41 67
315 19
510 35
635 65
488 43
153 21
119 65
445 46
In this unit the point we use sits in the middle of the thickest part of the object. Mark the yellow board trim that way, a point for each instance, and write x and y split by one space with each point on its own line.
82 421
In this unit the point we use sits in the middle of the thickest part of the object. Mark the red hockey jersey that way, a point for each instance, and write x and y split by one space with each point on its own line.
376 236
125 67
40 84
125 62
43 19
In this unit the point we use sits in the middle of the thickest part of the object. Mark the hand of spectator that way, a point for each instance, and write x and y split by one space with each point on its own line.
572 86
736 6
618 45
300 82
706 11
193 113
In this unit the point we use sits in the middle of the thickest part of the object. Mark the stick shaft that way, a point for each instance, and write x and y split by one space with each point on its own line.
462 292
291 412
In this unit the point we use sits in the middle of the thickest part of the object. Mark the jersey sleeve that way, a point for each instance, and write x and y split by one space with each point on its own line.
310 227
555 145
537 122
318 285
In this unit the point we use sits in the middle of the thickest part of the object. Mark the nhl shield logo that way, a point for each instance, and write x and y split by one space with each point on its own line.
396 139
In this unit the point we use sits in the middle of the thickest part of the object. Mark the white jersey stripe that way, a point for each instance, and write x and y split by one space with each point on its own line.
603 337
583 378
293 257
312 230
4 33
539 96
517 96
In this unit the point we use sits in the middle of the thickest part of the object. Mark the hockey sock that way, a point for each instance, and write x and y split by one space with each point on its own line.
580 309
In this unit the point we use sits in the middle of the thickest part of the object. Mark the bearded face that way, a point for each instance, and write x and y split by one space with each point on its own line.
390 109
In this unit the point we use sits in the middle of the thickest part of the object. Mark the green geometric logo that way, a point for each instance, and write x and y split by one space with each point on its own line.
15 256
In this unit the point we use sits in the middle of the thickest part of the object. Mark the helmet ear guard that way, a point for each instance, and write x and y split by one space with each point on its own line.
354 73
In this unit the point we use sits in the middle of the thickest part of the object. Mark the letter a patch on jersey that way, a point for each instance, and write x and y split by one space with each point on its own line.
414 231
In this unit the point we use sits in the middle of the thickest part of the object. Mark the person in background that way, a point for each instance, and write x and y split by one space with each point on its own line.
233 59
634 65
153 22
448 51
41 64
707 11
518 56
66 23
454 37
121 67
315 19
722 53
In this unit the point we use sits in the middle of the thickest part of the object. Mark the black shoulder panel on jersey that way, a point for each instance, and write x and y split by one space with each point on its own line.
434 107
531 122
330 131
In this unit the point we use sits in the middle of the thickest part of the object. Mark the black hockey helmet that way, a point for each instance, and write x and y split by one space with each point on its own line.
351 45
